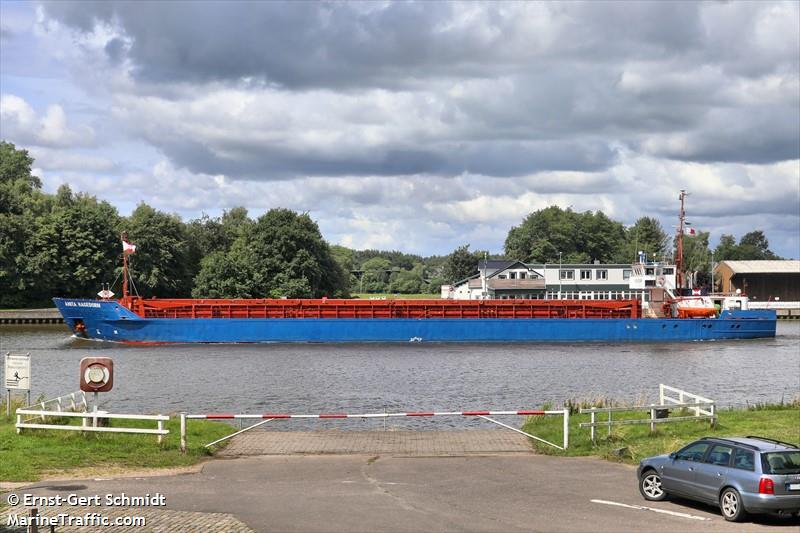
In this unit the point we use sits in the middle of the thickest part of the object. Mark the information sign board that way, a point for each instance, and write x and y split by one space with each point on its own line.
18 371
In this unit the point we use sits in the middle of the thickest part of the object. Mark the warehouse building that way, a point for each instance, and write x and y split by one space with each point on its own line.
760 280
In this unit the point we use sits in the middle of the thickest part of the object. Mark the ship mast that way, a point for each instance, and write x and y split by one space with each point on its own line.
124 237
679 254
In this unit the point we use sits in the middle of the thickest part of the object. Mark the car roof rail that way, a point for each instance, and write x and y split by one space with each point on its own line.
789 444
734 442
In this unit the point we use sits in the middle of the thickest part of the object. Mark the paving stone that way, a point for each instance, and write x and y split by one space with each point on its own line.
401 443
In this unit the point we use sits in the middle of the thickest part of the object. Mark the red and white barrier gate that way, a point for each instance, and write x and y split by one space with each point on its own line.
267 417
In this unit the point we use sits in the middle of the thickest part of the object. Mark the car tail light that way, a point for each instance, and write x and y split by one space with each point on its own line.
766 486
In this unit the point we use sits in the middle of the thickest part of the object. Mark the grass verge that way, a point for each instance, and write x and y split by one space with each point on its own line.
36 453
631 443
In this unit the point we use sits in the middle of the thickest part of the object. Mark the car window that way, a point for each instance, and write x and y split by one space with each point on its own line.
720 455
744 459
781 462
693 452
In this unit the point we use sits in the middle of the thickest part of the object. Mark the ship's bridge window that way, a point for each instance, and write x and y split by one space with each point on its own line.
649 272
586 274
669 271
602 274
512 275
501 276
626 274
567 274
522 275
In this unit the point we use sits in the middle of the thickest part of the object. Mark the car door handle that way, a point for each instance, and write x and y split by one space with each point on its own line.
691 469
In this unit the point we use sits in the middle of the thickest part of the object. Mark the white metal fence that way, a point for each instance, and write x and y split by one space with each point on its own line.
680 398
704 409
41 415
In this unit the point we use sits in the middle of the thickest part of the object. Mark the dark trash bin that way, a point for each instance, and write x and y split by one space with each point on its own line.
662 413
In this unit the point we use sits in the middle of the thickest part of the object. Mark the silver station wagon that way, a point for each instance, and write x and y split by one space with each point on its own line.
740 474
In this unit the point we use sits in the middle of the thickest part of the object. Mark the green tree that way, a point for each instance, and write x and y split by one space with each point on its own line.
21 202
409 281
235 222
697 257
645 235
460 264
726 249
282 254
74 247
600 238
754 245
219 277
162 264
375 276
579 237
15 167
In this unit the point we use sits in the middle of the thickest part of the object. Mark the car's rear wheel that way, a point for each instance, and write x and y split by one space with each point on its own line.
650 486
730 503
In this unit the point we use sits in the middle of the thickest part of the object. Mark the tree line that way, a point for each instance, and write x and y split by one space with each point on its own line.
68 243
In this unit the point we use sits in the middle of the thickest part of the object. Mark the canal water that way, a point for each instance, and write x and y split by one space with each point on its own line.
314 378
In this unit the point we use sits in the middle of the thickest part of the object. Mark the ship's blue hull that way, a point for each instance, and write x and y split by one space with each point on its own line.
109 321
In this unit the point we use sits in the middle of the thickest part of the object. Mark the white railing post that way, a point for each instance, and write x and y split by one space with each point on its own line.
183 432
19 421
661 394
566 429
160 428
652 420
592 429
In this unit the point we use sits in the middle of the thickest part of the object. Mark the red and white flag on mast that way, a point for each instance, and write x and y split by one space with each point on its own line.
128 248
689 232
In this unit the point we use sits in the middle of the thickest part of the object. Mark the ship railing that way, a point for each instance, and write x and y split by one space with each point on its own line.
703 409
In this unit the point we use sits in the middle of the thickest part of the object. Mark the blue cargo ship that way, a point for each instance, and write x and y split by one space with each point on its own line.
136 320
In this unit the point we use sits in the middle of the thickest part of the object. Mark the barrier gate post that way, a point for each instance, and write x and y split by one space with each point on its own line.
183 432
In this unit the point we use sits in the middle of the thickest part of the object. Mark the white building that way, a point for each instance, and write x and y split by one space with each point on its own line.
595 281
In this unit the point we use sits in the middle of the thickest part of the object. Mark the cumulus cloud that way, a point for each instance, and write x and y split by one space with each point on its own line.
423 125
19 121
67 160
280 90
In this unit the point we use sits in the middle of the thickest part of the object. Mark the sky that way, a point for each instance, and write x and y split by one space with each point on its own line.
415 126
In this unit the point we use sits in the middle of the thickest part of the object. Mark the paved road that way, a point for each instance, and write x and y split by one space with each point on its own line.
504 493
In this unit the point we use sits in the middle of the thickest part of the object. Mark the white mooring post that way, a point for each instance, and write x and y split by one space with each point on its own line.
566 429
652 420
183 432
